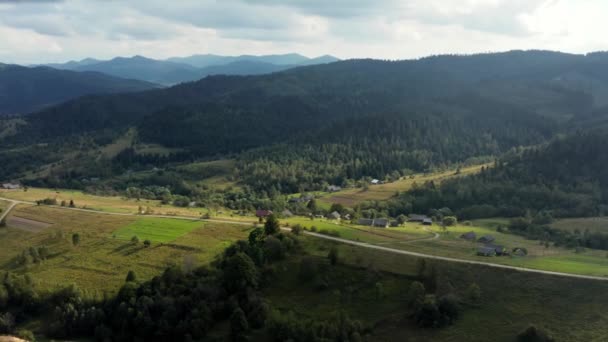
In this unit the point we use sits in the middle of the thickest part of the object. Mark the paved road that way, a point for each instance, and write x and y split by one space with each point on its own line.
344 241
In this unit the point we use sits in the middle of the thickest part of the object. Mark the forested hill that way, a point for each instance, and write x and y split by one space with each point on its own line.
388 115
24 89
566 178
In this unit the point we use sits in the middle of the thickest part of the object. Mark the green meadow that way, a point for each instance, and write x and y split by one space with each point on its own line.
157 229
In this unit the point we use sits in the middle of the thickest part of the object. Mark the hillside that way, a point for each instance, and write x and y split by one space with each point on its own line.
24 90
565 178
342 121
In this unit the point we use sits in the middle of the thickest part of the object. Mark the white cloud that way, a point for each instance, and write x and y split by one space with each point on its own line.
35 31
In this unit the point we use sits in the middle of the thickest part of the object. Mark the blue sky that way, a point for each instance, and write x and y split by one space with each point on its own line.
49 30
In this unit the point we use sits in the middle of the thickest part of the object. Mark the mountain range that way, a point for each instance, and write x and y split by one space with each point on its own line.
25 89
185 69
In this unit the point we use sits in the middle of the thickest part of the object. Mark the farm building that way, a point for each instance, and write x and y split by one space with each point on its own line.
427 222
333 188
347 217
11 186
417 218
334 216
486 251
263 213
500 250
375 181
470 236
486 239
365 222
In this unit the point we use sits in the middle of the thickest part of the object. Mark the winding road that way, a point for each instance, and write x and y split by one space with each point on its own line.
336 239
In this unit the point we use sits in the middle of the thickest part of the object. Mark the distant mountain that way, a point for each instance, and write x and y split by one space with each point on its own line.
185 69
291 59
142 68
24 90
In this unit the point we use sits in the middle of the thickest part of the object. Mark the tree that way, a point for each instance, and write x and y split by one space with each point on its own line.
450 221
337 207
238 324
240 272
7 323
402 219
449 307
296 229
72 205
75 239
308 269
428 314
333 256
473 294
256 237
416 295
131 277
147 243
312 205
272 225
135 240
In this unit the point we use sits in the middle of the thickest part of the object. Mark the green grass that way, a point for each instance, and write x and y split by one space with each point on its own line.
571 309
592 224
100 262
381 192
157 229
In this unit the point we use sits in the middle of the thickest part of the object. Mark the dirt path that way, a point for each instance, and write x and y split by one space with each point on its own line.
7 210
344 241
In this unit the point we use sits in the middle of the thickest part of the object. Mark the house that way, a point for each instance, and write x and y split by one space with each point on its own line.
286 213
333 188
519 251
486 251
263 213
486 239
500 250
470 236
417 218
365 222
375 181
381 223
347 217
427 222
334 216
11 186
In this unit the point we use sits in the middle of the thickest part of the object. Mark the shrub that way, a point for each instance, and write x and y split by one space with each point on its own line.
135 240
147 243
296 229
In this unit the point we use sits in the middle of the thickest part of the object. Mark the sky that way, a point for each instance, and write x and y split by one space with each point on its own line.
41 31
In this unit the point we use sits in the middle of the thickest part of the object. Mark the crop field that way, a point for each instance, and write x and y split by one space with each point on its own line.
100 262
571 309
156 229
362 233
351 197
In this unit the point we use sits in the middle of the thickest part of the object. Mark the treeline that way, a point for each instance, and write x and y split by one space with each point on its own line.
565 178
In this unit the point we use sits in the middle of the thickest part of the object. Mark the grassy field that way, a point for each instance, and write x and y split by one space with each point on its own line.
593 224
362 233
351 197
571 309
100 262
156 229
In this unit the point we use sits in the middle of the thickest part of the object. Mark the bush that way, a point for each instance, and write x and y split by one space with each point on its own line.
333 256
308 269
147 243
450 221
26 335
296 229
533 334
135 240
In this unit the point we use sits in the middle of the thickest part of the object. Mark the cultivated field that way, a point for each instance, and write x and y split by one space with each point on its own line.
351 197
100 262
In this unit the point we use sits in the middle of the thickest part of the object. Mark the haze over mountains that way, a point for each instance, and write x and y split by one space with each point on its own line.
184 69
